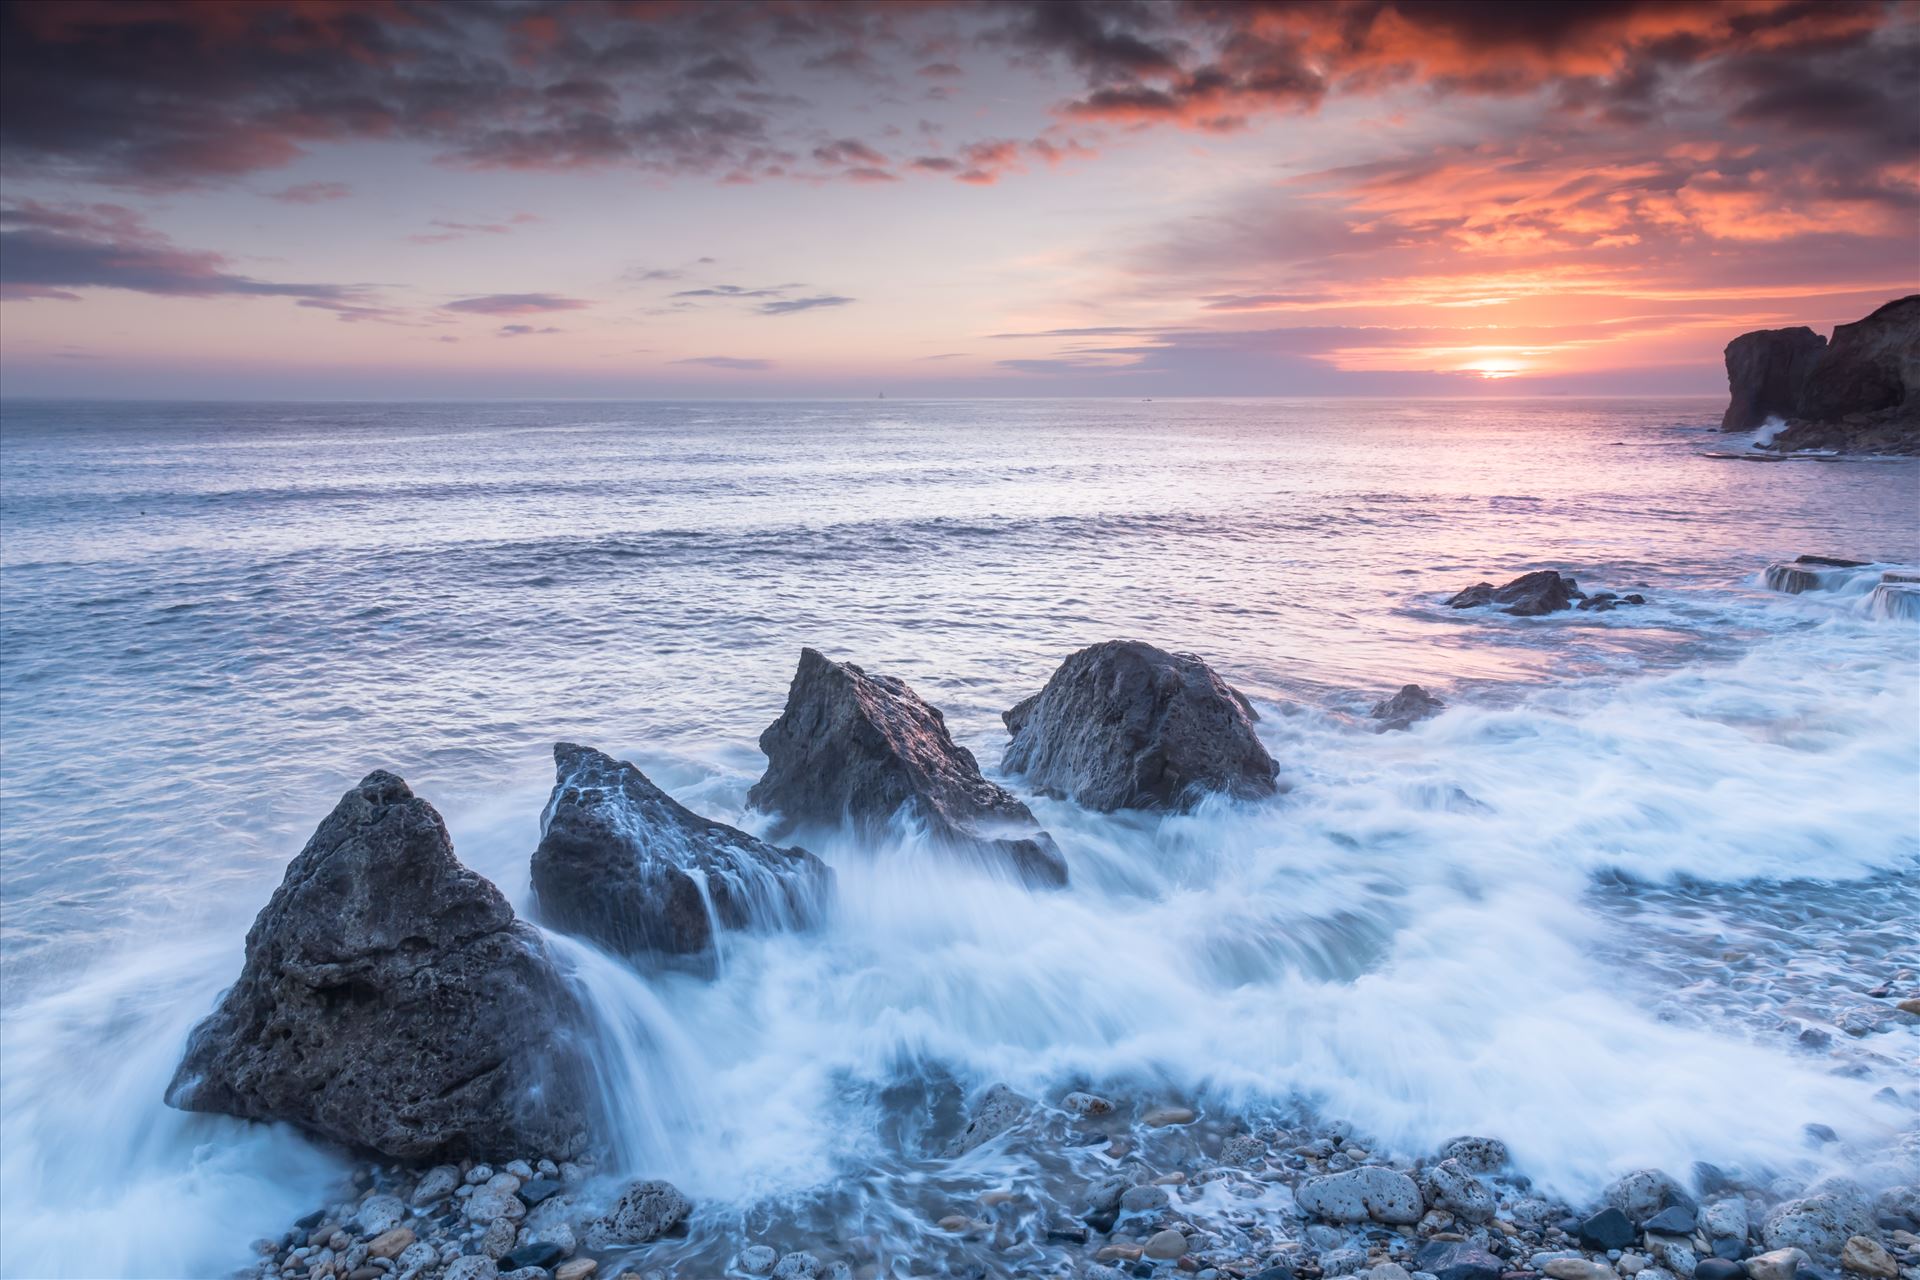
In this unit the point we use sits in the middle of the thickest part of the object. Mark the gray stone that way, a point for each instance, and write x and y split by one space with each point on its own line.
621 862
519 1169
1244 1150
379 1213
1086 1105
1144 1198
1674 1220
390 1000
1819 1224
1864 1256
1168 1245
997 1111
1725 1219
1123 725
1452 1187
1477 1155
498 1239
1342 1262
487 1204
472 1267
1577 1268
645 1211
865 749
479 1175
757 1260
799 1266
1645 1192
1359 1195
1674 1253
1457 1260
436 1183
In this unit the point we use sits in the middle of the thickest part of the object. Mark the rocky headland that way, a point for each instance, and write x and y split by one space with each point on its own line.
1858 393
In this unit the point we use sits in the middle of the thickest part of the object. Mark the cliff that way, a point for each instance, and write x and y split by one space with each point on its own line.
1858 393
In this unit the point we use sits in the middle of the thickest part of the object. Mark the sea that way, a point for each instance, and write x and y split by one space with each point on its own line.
1621 904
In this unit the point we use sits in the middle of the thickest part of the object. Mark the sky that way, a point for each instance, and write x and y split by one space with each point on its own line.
610 198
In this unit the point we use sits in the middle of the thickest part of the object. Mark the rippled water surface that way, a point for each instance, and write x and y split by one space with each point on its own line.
1591 908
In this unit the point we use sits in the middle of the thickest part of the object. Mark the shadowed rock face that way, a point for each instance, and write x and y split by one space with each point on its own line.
1859 393
1871 366
1123 725
861 748
1767 375
1406 707
623 863
390 1000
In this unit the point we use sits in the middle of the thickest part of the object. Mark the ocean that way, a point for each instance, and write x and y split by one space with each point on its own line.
1594 909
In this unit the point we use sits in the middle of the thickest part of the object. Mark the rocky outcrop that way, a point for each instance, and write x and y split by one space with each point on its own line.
1810 573
623 863
854 747
1405 708
391 1001
1767 374
1527 596
1859 393
1123 725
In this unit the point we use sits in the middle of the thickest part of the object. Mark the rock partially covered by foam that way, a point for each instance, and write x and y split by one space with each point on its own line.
856 747
623 863
390 1000
1405 708
1810 573
1123 725
1527 596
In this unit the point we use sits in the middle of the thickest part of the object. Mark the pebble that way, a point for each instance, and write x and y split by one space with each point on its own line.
470 1267
1161 1117
498 1239
1085 1105
757 1260
1166 1245
519 1169
380 1214
1143 1199
1865 1257
1776 1264
575 1269
1119 1253
479 1174
1578 1269
488 1204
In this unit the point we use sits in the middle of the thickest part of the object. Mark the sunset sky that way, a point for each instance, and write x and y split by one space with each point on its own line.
651 198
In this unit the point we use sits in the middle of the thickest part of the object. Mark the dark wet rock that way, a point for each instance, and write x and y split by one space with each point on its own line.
1871 366
997 1111
1608 1229
1527 596
1457 1260
391 1001
645 1211
1719 1269
1767 372
621 862
1123 725
532 1255
1645 1192
856 747
539 1189
1809 573
1674 1220
1405 708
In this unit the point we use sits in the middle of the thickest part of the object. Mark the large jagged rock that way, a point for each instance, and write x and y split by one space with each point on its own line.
1123 725
1527 596
623 863
1859 393
864 749
1767 374
391 1001
1872 365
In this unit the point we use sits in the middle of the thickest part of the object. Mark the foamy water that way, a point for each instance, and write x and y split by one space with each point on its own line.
1587 909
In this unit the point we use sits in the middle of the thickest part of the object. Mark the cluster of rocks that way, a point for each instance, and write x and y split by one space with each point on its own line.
1541 592
1461 1214
1893 593
518 1220
1859 393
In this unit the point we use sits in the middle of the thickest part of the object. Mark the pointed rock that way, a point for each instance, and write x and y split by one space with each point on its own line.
390 1000
1406 707
1527 596
1123 725
856 747
625 864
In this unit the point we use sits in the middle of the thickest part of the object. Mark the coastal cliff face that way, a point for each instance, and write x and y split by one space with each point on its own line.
1858 393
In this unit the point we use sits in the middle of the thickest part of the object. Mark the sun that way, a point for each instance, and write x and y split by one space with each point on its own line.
1495 369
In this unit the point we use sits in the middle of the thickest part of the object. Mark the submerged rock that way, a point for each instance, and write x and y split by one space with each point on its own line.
621 862
645 1211
1123 725
1527 596
390 1000
1405 708
1809 573
856 747
998 1110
